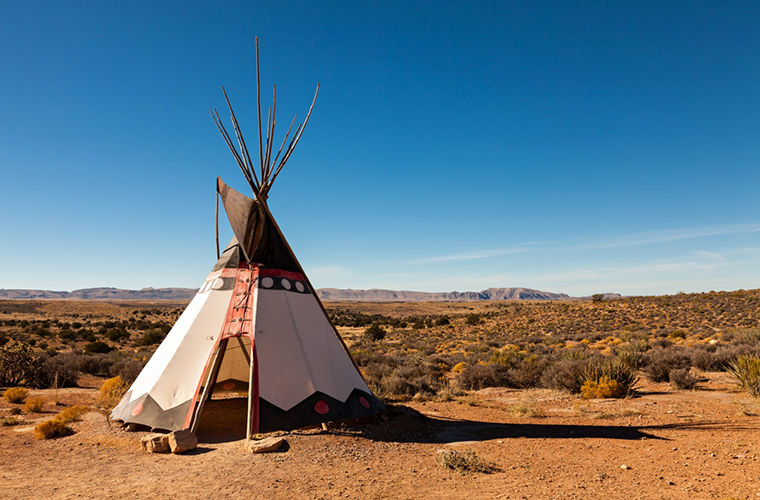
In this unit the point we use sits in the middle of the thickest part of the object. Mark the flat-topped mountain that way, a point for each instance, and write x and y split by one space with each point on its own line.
378 295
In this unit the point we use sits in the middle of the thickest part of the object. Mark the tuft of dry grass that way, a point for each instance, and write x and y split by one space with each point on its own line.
111 392
9 420
52 428
72 414
15 395
34 405
464 462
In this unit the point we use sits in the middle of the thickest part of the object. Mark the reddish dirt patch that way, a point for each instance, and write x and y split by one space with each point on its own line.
545 444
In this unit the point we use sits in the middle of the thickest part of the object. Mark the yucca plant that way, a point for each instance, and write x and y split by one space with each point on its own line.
610 379
746 371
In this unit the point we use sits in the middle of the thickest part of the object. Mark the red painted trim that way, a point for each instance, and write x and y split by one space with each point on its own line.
281 274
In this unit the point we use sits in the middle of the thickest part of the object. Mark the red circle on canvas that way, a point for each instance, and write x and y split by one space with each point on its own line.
137 409
229 385
363 401
321 407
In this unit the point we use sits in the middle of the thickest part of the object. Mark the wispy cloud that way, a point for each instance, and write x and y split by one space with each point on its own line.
477 254
664 236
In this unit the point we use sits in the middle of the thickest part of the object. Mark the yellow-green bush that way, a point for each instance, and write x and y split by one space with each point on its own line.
746 371
34 405
112 391
604 387
15 395
610 379
52 428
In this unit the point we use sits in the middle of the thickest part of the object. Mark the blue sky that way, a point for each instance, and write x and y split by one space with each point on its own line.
575 147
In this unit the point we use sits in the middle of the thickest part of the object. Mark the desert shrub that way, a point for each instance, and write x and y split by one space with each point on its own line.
18 364
478 376
15 411
400 377
151 337
72 414
677 334
52 428
527 373
608 379
442 321
683 378
374 332
749 336
660 362
631 354
464 462
717 358
96 364
473 319
15 395
746 371
602 387
128 369
60 370
97 346
566 374
34 405
111 392
116 334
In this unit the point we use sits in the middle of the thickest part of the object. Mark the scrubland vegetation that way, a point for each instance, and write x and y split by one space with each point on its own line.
598 348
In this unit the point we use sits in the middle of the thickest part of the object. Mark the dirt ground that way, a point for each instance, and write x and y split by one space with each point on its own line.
545 444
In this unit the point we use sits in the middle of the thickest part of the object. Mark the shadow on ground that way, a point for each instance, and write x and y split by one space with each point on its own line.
225 420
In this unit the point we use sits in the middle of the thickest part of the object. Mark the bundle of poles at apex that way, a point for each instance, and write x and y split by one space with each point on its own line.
269 168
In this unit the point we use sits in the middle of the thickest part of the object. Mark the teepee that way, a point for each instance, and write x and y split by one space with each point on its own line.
256 325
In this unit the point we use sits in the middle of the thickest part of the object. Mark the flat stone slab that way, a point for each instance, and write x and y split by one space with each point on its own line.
265 445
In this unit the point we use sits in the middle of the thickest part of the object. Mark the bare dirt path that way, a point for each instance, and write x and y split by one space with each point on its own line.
545 444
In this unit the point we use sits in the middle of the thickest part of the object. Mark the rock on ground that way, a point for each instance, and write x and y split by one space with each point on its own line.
265 445
155 443
180 441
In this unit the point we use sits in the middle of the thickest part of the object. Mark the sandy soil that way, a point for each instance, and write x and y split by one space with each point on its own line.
545 444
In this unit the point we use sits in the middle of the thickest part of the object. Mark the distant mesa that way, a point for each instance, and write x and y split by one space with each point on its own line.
331 294
377 295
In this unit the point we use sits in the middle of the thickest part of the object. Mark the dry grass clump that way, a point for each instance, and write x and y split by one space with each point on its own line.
57 426
52 428
464 462
15 395
34 405
9 420
72 414
112 391
746 371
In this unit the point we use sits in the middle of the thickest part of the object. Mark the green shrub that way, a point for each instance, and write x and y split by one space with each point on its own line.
98 346
746 371
15 395
464 462
375 332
